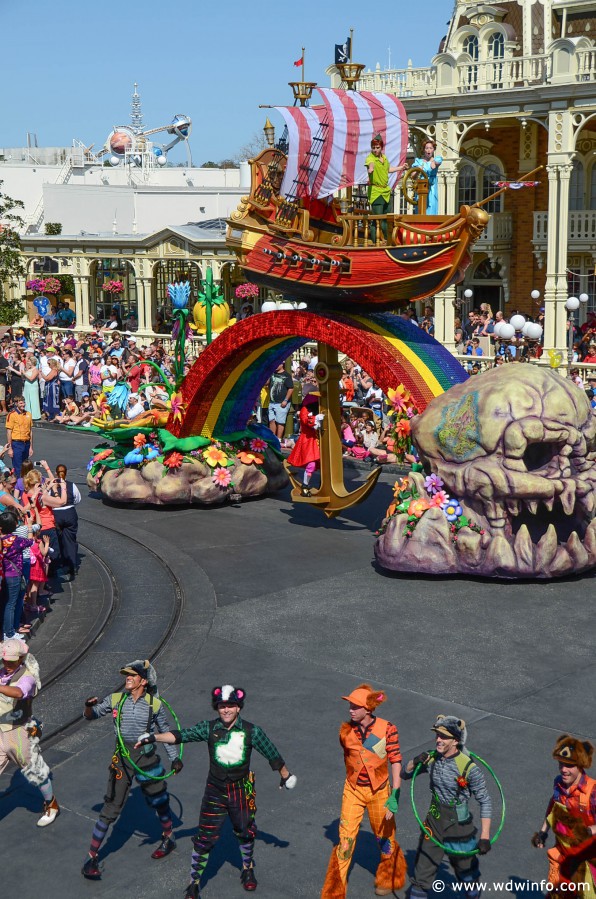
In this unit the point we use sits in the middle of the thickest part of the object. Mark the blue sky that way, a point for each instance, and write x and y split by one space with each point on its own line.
69 67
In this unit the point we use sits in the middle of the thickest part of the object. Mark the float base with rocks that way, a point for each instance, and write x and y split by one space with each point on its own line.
509 460
150 465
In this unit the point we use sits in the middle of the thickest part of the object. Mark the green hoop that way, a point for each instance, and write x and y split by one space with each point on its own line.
126 754
430 836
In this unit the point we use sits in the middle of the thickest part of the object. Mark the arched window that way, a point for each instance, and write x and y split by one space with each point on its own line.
576 186
102 302
470 46
467 185
592 190
496 52
496 46
490 174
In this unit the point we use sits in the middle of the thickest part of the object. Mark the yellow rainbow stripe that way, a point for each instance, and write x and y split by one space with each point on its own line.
422 370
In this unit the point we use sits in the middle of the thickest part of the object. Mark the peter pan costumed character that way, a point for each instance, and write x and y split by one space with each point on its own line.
571 814
19 732
370 745
230 788
136 712
379 192
454 779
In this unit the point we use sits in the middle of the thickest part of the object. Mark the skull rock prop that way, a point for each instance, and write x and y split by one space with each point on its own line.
516 446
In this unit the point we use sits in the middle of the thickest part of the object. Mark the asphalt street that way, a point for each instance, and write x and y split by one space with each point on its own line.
278 600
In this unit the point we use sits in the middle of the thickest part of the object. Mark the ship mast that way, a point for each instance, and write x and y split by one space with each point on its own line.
302 90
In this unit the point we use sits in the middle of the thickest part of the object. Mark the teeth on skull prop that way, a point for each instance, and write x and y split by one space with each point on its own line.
516 448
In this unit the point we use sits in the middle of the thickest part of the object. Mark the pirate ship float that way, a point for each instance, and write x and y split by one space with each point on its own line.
293 234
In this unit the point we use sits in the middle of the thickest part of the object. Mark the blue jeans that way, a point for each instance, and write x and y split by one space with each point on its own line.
11 587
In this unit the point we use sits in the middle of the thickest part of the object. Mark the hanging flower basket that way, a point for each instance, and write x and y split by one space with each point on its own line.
114 288
246 291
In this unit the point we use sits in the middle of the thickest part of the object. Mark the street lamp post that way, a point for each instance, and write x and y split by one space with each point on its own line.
572 305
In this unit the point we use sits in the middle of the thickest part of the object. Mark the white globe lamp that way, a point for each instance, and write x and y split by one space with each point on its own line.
572 304
583 297
535 294
507 331
534 331
268 306
497 328
114 160
468 293
286 305
518 321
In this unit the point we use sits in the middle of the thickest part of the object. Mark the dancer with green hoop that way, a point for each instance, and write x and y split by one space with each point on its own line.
137 712
448 828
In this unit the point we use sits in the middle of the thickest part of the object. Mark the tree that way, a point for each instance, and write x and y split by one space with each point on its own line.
209 165
53 228
254 146
11 262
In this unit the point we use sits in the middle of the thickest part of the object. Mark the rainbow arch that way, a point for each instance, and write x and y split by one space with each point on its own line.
222 387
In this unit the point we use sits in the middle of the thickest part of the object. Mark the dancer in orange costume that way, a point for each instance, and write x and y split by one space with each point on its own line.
370 746
571 814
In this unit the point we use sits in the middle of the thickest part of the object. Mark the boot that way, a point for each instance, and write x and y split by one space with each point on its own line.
248 879
51 810
192 891
90 869
166 846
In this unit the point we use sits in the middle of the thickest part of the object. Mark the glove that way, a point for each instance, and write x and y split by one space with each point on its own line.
89 703
393 801
177 766
539 839
483 847
288 782
422 759
146 738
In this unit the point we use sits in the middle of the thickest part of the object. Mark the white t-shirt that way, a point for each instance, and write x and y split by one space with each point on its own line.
134 411
109 375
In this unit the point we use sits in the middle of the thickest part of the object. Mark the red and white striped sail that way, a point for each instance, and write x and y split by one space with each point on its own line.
353 119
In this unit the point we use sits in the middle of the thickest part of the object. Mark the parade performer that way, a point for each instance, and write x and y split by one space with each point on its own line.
571 814
429 163
19 732
454 778
230 788
306 454
371 746
136 712
379 192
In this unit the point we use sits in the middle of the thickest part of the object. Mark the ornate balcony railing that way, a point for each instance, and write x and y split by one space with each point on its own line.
581 229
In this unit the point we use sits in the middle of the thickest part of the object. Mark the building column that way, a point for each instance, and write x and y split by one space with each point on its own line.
445 300
146 305
82 300
561 333
551 327
140 289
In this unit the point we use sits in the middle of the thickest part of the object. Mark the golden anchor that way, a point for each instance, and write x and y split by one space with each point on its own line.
332 496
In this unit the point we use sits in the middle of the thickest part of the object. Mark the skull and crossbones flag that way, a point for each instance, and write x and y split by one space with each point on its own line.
343 51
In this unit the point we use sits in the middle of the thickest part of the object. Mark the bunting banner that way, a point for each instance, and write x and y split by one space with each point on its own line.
516 185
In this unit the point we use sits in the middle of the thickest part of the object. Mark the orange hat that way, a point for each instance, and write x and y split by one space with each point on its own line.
365 696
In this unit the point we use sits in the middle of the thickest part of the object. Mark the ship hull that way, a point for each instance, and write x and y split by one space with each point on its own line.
370 277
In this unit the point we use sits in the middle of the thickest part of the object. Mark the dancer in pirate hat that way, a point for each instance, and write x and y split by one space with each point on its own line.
136 712
371 747
571 814
230 788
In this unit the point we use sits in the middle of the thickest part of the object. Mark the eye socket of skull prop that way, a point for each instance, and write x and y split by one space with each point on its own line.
517 447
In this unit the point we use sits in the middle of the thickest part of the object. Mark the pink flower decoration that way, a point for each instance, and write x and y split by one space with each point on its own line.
257 445
222 477
439 498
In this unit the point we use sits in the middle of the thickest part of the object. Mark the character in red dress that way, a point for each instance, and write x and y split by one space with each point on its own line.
306 453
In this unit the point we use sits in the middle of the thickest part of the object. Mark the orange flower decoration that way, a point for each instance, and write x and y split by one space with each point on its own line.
139 440
399 399
402 428
173 460
249 458
105 454
418 507
391 509
177 406
214 456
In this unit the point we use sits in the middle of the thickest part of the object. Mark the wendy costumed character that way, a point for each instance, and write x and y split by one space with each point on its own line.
306 454
571 814
370 746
